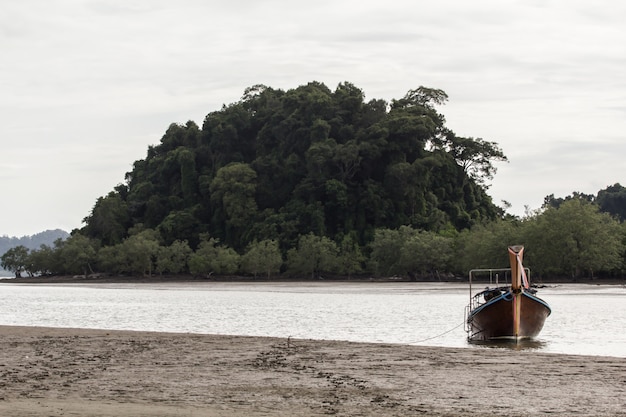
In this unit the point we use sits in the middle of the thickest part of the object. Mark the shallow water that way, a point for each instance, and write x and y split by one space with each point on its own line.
586 319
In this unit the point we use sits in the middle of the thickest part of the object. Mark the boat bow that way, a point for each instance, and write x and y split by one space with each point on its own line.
510 311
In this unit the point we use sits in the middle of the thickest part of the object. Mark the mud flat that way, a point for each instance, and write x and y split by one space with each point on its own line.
76 372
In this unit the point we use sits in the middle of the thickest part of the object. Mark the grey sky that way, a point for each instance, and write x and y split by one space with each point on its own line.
87 85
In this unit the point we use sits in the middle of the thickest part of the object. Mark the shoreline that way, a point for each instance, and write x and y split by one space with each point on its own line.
120 279
54 372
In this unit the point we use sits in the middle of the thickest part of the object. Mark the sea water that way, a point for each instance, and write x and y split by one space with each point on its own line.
586 319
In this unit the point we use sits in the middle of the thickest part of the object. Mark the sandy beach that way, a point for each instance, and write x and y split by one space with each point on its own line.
75 372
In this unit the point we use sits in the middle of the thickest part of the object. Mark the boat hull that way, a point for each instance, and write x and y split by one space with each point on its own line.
508 317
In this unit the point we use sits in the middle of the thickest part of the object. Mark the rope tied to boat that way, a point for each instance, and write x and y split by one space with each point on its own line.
439 335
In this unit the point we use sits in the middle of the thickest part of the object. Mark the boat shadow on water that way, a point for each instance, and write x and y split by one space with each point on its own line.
526 344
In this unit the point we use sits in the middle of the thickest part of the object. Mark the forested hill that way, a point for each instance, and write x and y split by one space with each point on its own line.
280 164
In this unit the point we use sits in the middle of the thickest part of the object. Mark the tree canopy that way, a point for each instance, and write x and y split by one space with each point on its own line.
573 240
279 165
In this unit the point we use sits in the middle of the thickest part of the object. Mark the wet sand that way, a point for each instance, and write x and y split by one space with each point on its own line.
73 372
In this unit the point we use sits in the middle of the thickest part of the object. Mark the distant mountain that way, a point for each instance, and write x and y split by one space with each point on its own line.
35 241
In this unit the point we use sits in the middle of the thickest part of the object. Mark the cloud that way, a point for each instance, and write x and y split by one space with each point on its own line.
88 85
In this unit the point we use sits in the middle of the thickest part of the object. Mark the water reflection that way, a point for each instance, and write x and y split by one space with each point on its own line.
525 344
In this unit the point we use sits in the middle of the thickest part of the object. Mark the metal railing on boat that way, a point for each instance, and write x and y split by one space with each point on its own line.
491 272
475 300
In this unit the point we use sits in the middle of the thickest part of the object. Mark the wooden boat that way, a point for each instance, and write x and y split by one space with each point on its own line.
505 312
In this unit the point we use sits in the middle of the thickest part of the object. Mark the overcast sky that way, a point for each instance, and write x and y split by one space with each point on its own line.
87 86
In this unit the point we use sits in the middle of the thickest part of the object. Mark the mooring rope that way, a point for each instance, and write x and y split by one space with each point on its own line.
439 335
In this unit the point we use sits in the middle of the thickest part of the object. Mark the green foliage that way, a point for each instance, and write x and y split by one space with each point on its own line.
330 183
112 259
386 251
262 257
76 254
612 200
314 255
211 258
173 258
232 194
570 237
554 202
138 253
407 251
575 238
44 261
181 225
427 253
281 164
475 156
351 258
15 260
485 245
109 219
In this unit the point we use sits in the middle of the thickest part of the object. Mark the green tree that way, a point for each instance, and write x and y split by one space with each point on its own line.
386 251
77 254
484 246
262 257
211 258
233 192
475 155
188 175
552 201
424 97
612 200
350 259
407 251
575 239
140 252
426 253
44 261
182 225
15 260
113 259
173 258
314 255
109 219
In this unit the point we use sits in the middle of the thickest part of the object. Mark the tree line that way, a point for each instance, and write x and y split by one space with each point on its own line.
312 182
573 239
